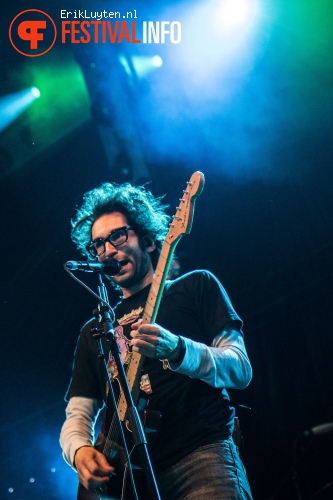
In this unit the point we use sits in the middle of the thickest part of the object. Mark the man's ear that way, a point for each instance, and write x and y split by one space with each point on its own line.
147 244
150 245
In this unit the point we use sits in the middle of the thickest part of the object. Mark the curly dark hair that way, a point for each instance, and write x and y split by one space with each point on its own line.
144 212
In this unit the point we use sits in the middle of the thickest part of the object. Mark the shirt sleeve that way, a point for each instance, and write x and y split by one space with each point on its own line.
224 364
78 428
88 375
217 355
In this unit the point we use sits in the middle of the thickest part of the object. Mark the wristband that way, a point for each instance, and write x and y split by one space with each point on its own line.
180 357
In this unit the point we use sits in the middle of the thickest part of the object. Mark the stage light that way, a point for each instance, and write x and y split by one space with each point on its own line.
222 42
60 104
35 92
143 65
236 13
231 21
157 61
12 105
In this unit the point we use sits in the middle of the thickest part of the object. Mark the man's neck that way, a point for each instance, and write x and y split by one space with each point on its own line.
127 292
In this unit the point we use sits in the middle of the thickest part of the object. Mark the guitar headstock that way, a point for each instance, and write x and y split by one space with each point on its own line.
182 220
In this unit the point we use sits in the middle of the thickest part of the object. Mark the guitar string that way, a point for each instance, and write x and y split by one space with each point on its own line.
114 430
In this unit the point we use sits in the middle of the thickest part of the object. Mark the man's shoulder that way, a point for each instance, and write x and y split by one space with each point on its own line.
193 276
193 280
86 330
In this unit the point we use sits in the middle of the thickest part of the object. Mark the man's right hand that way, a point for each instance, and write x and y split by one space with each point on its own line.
92 467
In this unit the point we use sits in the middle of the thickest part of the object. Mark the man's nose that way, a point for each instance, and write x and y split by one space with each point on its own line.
110 250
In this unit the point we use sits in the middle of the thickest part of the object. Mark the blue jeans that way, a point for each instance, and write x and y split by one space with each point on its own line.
211 472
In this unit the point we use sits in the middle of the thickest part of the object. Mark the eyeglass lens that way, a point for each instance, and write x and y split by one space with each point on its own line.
116 238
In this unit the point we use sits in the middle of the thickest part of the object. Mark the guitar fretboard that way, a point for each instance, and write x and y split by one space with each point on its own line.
149 315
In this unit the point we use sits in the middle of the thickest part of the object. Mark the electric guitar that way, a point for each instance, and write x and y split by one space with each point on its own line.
115 453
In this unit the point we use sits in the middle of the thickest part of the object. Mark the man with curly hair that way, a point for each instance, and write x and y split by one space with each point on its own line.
197 333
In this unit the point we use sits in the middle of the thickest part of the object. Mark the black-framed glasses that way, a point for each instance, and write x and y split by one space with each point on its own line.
117 237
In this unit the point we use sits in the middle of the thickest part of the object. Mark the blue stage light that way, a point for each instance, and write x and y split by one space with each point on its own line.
236 13
12 105
143 65
157 61
35 92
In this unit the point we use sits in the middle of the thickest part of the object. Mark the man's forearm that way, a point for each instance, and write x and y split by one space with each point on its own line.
225 364
78 428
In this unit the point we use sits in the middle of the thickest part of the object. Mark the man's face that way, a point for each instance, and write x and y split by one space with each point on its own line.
136 271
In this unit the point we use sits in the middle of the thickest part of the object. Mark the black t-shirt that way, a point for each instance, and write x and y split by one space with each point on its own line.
193 413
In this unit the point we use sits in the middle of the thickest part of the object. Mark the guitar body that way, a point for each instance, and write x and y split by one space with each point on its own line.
117 457
114 489
112 492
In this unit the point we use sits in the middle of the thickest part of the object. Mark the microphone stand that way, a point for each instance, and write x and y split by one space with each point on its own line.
132 414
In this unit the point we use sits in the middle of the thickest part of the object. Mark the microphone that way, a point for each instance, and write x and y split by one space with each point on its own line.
320 429
110 267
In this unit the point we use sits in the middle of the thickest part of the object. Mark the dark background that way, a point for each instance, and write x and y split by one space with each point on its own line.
261 133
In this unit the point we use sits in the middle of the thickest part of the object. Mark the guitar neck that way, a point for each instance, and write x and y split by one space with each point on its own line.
157 286
182 223
149 316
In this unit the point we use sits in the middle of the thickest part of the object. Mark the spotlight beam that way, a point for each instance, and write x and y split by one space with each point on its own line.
12 105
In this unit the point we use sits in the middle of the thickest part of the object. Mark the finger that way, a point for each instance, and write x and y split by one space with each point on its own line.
136 325
148 328
97 465
90 480
145 350
103 465
138 338
92 475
